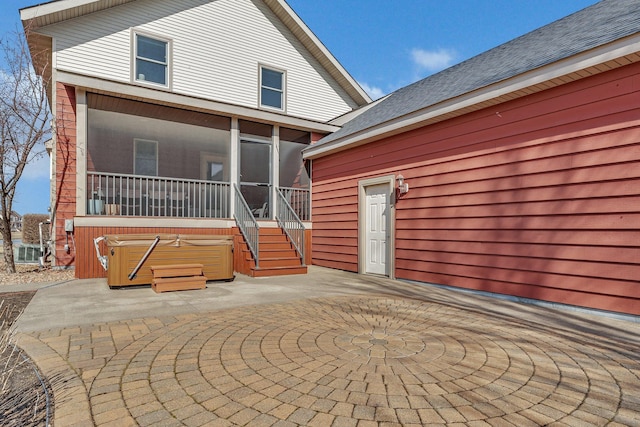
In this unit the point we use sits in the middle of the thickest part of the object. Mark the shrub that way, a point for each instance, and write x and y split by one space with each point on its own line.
30 230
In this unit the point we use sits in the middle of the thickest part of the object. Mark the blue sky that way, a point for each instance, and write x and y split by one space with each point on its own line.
383 44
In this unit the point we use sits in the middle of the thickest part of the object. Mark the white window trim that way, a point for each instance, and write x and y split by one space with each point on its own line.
134 57
135 154
284 88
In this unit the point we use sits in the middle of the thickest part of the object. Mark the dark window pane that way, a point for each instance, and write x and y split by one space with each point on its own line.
271 98
146 158
215 171
155 50
271 79
151 72
256 162
146 167
146 149
258 200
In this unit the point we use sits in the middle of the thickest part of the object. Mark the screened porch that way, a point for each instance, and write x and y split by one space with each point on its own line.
146 160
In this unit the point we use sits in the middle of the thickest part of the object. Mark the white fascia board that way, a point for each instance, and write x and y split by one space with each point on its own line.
346 117
31 12
549 72
138 222
323 50
146 221
137 92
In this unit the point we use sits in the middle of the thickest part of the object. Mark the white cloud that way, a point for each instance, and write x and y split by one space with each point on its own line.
373 91
433 60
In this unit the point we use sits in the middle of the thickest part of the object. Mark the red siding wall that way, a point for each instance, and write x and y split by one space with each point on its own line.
64 205
538 197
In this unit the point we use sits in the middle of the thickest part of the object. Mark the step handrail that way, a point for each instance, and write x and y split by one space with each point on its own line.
291 224
247 224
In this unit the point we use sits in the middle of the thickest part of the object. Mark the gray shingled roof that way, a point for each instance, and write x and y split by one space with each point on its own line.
597 25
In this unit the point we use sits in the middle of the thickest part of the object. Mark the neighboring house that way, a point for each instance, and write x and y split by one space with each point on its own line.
164 108
15 221
522 166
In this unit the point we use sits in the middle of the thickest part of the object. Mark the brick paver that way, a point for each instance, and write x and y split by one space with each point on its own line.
350 360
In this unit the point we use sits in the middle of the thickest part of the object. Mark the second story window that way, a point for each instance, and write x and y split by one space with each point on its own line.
151 60
272 88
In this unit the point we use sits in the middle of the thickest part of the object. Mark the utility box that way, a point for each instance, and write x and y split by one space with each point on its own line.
125 251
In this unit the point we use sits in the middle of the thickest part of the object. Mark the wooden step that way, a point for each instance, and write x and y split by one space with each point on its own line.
278 271
279 262
277 254
177 270
276 245
272 254
179 283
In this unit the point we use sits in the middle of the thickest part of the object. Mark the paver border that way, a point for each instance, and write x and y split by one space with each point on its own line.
71 402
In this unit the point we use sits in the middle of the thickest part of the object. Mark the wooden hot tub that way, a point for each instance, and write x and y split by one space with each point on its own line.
125 251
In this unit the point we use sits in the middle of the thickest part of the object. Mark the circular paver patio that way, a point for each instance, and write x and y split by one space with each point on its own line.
363 360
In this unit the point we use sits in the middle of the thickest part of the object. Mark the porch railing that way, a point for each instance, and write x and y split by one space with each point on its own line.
247 224
299 199
138 195
290 223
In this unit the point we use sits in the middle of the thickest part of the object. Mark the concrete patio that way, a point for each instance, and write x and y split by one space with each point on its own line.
329 349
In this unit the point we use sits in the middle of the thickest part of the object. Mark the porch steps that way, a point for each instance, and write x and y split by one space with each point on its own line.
277 256
178 277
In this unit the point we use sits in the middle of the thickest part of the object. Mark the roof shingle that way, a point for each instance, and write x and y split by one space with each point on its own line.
594 26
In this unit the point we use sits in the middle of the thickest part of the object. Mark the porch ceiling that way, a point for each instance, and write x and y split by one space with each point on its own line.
148 95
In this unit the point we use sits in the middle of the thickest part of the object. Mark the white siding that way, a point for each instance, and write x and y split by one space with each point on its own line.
217 46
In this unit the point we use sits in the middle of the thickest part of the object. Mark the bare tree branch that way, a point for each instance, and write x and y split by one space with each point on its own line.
24 123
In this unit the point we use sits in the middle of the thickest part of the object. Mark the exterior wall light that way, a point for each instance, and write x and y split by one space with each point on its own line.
403 187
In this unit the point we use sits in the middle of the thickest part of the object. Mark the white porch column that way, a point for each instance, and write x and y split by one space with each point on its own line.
275 169
234 157
81 152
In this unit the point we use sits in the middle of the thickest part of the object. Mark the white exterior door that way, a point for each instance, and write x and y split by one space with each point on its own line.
377 226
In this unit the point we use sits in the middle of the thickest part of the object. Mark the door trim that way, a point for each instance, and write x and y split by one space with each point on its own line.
389 180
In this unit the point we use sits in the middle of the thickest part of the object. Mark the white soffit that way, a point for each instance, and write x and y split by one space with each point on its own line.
61 10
